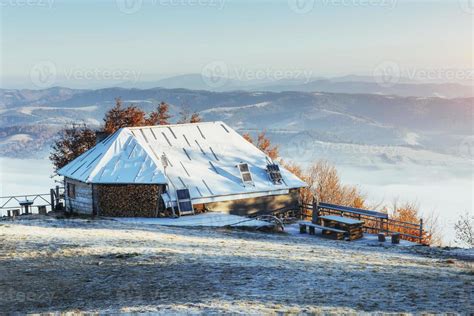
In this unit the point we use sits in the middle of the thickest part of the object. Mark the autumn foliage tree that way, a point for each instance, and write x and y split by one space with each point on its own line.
264 144
324 184
186 117
409 212
161 115
132 116
72 142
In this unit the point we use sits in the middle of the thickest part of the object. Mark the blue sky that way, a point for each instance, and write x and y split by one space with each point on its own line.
167 37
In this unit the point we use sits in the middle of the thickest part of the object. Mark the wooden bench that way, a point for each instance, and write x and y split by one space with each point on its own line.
327 231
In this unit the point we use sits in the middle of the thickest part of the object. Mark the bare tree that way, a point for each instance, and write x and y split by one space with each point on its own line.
464 229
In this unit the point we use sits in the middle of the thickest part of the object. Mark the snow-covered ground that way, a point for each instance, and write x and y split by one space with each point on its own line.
50 265
201 220
445 191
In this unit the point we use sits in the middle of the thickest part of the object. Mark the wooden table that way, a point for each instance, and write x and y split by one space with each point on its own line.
353 227
25 205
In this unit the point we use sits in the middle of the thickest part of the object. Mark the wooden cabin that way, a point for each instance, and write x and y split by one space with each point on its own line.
177 169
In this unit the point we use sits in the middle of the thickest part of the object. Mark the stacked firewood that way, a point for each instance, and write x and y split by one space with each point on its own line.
129 200
355 232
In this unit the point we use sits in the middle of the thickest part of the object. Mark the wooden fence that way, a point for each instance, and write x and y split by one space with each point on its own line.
9 205
374 222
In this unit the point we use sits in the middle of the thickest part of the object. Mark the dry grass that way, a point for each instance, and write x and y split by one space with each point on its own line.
106 266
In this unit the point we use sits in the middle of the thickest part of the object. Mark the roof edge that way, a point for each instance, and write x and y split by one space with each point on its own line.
171 125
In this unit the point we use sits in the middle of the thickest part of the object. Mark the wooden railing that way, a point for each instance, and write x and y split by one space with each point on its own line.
374 222
9 205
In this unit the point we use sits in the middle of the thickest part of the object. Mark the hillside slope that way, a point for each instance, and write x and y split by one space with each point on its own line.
108 267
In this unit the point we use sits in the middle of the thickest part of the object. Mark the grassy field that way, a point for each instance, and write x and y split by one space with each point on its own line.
51 265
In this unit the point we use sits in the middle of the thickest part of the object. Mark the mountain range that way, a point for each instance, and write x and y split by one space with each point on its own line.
345 84
299 81
304 124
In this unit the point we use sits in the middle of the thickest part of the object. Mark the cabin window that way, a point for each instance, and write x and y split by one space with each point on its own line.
71 190
245 173
274 172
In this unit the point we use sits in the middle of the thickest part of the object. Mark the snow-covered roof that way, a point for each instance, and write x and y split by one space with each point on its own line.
202 157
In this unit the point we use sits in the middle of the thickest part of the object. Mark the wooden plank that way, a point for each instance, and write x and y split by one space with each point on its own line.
352 210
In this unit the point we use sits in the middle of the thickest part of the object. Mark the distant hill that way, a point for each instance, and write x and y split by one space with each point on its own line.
344 84
443 90
293 119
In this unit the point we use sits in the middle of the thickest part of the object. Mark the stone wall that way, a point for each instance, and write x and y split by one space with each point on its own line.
82 203
260 204
129 200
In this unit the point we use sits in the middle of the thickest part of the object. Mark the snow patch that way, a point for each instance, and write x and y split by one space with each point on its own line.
412 138
213 219
224 109
28 110
16 138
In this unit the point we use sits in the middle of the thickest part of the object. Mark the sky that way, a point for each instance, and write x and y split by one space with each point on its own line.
152 39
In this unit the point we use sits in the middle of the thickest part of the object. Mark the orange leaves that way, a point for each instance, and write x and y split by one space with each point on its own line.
264 144
160 116
132 116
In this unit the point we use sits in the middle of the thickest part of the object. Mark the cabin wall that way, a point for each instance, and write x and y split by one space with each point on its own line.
251 206
128 200
82 202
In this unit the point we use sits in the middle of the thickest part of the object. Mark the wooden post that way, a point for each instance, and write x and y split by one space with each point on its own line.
42 210
395 238
381 237
302 229
315 214
421 229
57 197
51 196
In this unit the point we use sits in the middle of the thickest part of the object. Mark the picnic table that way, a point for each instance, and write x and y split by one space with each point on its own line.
352 226
25 205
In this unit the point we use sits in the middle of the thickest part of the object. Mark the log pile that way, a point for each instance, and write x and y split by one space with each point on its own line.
129 200
355 232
